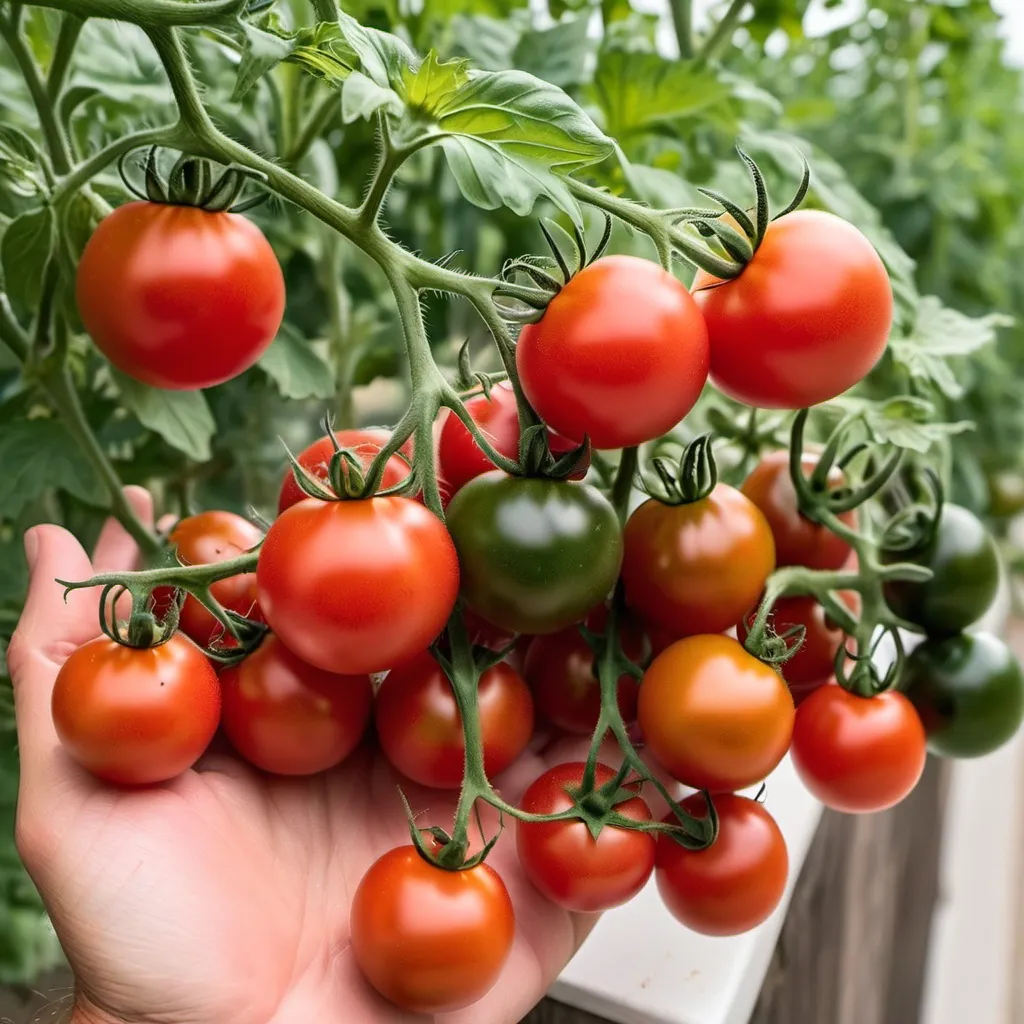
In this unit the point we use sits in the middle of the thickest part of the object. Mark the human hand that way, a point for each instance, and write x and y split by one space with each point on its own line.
222 897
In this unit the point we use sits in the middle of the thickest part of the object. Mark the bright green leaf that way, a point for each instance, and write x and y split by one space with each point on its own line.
433 82
295 368
325 52
903 422
383 58
182 418
24 252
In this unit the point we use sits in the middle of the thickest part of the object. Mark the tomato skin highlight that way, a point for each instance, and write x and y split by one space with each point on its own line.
178 297
734 884
430 940
713 715
536 555
357 586
135 716
564 861
858 754
969 692
420 728
696 568
965 566
808 317
620 355
290 718
798 540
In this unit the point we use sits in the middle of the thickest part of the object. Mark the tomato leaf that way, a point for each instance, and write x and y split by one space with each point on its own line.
24 251
361 97
263 51
905 422
559 54
182 418
324 51
296 369
487 42
383 57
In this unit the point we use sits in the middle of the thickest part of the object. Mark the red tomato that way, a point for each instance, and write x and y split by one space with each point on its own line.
713 715
365 443
420 727
430 940
798 540
564 861
696 568
734 884
204 539
807 318
815 661
290 718
357 586
620 355
136 716
858 754
178 297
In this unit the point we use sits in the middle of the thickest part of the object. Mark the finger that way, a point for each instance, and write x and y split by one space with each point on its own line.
116 550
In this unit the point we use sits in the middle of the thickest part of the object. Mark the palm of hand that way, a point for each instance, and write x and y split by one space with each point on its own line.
223 897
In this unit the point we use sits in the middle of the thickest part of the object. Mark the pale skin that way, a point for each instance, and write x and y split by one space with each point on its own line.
223 897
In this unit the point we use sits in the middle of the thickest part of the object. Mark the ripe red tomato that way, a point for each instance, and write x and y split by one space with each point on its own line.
461 458
696 568
562 858
420 727
807 318
732 885
136 716
178 297
815 661
203 539
365 443
858 754
798 540
430 940
357 586
713 715
290 718
620 355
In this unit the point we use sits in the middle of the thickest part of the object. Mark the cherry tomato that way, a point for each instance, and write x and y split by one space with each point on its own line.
536 555
807 318
815 661
858 754
290 718
732 885
696 568
565 862
428 939
713 715
461 458
420 727
357 586
798 540
365 443
203 539
178 297
136 716
620 355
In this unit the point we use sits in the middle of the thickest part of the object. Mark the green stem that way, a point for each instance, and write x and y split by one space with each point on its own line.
391 159
314 126
340 333
682 22
152 13
622 487
11 333
70 29
723 31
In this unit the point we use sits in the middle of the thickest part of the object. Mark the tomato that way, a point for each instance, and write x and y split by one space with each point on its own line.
564 861
136 716
420 727
560 670
815 661
428 939
962 557
732 885
178 297
969 692
713 715
798 540
620 355
807 318
365 443
696 568
203 539
357 586
858 754
461 458
290 718
536 555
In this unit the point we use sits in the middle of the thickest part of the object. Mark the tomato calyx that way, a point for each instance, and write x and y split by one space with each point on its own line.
595 806
695 477
916 522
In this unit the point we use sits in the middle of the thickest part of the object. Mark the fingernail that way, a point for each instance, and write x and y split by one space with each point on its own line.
31 548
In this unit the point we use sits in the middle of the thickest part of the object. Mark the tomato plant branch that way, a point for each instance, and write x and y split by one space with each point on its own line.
11 333
682 22
722 32
67 38
152 13
183 577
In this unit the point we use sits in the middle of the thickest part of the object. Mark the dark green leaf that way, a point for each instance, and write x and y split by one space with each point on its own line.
24 252
295 368
14 143
263 51
559 54
182 418
487 42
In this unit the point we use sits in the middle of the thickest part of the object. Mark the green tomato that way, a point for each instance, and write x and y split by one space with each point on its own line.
535 555
969 692
962 557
